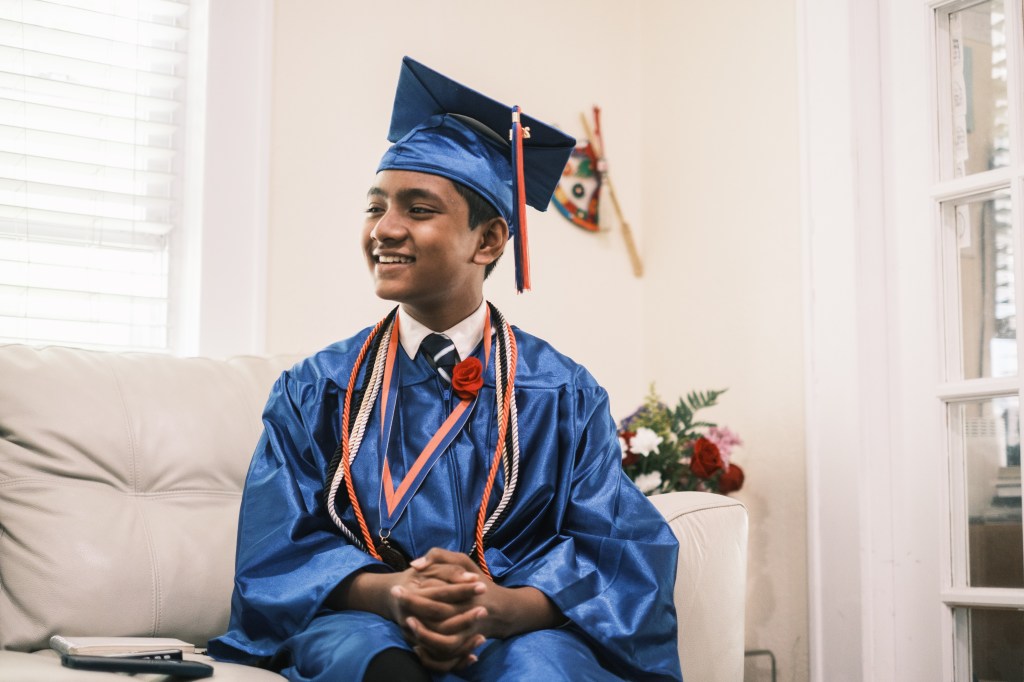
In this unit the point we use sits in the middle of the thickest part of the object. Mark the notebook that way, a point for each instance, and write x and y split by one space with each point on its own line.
100 646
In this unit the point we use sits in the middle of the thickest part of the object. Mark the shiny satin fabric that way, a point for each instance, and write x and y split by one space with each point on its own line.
577 529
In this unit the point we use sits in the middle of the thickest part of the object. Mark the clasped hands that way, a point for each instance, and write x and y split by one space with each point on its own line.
446 608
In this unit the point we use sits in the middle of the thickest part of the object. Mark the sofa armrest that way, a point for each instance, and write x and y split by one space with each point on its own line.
710 591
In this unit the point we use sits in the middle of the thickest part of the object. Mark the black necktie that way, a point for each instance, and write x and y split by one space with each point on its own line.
441 353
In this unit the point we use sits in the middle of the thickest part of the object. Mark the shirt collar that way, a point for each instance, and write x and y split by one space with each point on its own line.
466 335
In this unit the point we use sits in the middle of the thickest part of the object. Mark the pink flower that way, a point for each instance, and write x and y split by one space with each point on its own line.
725 439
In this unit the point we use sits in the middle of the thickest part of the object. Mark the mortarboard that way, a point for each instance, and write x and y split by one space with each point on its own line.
442 127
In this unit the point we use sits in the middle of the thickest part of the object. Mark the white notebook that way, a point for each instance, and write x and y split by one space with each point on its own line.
100 646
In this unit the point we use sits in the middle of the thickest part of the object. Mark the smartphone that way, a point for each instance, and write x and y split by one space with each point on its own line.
184 669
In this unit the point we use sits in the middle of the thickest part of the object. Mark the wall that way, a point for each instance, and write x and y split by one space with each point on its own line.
336 65
724 301
699 116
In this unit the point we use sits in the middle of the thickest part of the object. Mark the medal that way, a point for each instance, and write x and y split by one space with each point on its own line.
391 555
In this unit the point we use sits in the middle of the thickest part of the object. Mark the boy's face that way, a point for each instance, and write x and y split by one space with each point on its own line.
419 247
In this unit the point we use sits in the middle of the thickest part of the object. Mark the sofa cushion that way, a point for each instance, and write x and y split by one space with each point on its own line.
120 480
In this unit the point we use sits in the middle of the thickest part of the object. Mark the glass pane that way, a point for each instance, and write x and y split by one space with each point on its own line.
977 48
989 433
996 637
988 310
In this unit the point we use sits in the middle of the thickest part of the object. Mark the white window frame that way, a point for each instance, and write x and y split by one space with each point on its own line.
945 188
219 291
870 263
877 479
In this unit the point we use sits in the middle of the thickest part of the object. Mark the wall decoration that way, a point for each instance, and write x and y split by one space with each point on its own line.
578 194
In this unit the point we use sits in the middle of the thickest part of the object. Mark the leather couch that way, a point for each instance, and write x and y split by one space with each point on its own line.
120 480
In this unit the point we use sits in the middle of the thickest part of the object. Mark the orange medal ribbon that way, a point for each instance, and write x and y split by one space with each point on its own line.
395 499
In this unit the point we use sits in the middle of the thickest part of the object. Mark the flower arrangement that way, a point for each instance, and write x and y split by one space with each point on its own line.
666 448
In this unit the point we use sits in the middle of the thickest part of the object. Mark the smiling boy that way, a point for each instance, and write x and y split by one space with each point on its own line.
420 250
441 495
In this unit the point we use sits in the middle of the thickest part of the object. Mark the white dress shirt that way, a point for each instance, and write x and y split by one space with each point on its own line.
466 335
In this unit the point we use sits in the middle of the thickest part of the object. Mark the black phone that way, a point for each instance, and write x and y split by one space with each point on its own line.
186 669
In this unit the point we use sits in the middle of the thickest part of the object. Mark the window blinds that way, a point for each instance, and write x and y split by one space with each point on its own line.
91 123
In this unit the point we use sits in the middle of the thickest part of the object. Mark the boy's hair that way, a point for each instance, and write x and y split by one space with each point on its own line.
480 211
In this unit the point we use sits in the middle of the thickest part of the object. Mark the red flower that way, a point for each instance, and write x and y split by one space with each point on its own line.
467 378
706 458
731 480
631 456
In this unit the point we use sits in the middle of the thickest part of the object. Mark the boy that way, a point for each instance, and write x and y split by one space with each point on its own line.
441 496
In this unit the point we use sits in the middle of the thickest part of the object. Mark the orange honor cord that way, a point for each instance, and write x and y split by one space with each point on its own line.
503 419
367 538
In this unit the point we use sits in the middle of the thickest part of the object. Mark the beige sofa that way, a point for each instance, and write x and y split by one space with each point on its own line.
120 479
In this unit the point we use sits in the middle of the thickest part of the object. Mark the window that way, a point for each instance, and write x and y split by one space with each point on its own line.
978 199
92 107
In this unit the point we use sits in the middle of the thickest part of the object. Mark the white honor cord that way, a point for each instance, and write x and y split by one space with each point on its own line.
358 431
511 469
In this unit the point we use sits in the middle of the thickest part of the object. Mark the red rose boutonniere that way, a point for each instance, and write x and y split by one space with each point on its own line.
467 378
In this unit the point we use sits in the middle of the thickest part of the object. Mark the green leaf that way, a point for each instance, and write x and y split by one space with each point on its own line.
699 400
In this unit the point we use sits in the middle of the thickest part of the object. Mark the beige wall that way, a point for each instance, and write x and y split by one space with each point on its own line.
336 65
699 110
724 294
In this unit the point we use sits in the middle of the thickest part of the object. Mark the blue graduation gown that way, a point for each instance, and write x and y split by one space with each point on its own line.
577 529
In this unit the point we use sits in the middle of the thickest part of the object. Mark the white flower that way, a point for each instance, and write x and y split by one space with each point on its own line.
624 446
648 482
645 442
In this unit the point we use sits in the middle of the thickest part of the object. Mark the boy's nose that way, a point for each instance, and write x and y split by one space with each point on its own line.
388 228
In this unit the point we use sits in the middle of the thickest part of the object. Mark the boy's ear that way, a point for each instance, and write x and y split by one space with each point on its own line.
493 237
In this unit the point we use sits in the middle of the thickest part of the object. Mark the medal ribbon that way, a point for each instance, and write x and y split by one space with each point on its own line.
395 499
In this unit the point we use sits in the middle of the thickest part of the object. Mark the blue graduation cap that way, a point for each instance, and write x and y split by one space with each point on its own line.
442 127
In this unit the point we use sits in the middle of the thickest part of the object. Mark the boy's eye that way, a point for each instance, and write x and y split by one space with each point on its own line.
374 210
421 210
